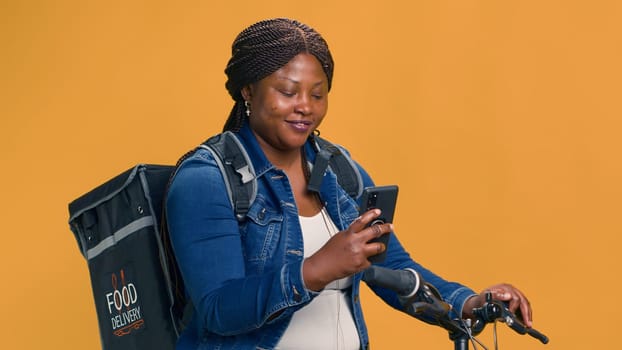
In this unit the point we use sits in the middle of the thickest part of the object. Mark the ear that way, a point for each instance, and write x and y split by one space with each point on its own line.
247 92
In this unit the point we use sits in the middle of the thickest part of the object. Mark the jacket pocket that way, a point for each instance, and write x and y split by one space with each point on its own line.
260 233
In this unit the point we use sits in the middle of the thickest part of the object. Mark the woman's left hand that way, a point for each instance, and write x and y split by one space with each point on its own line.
504 292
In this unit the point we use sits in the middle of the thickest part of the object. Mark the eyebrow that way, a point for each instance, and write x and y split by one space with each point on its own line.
297 82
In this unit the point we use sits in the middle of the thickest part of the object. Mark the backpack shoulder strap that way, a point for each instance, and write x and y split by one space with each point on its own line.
348 174
237 170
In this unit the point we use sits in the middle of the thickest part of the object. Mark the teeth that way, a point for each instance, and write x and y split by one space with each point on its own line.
300 123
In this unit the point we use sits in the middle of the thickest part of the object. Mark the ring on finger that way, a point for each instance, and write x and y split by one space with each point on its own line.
377 230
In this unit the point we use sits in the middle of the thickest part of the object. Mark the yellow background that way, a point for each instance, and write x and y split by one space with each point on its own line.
499 120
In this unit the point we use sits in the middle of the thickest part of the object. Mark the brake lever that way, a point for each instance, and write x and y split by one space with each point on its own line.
494 310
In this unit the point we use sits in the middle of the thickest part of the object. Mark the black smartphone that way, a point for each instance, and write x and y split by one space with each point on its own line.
385 199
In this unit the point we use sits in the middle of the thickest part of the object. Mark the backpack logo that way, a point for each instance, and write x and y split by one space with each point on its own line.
123 305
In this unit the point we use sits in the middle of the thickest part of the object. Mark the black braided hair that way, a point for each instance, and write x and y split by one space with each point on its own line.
262 49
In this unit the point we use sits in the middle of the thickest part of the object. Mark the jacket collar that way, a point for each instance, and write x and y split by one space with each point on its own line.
260 162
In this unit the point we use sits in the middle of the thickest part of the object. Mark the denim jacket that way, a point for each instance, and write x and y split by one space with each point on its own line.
245 278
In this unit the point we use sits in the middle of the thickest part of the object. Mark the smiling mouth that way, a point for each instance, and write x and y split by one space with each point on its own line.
299 122
300 125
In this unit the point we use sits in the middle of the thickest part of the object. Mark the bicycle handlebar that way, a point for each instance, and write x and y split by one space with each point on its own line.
422 301
404 282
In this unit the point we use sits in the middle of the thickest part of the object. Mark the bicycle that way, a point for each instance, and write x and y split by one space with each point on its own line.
422 301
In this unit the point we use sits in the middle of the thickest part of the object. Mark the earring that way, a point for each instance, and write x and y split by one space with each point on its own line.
248 108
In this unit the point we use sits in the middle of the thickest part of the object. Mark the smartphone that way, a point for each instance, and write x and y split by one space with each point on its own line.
385 199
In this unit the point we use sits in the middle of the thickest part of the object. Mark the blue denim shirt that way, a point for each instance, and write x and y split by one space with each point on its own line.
245 278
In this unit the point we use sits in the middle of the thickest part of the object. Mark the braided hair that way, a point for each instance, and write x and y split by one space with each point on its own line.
262 49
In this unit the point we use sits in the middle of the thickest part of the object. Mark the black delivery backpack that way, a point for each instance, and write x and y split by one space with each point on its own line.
117 229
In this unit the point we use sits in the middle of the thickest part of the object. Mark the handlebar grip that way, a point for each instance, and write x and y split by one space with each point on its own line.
520 328
404 282
541 337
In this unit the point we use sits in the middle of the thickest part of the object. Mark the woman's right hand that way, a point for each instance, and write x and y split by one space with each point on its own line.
346 253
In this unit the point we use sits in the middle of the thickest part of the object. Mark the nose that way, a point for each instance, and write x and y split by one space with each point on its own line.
303 104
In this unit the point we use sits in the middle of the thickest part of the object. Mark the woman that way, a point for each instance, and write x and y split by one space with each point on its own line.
288 275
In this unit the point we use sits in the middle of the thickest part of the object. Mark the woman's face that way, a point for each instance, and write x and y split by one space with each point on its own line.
288 105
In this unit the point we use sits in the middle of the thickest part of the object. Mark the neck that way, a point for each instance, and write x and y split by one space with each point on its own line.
282 159
285 161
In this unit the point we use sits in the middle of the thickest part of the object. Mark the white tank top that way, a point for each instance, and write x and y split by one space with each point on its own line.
326 322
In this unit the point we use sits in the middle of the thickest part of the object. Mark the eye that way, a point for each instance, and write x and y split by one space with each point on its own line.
287 93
